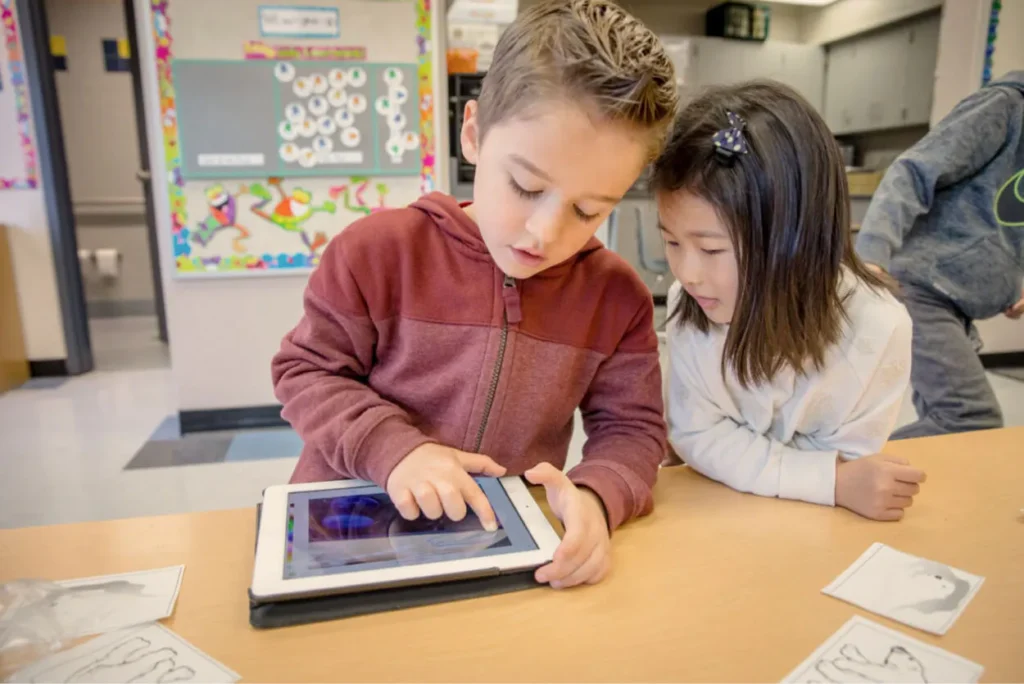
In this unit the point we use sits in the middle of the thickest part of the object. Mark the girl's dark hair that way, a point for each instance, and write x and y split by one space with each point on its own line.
786 205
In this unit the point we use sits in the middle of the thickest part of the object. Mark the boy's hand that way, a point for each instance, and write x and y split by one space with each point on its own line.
435 480
1017 310
878 487
584 556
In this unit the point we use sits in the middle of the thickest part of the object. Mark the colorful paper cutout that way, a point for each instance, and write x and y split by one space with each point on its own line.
360 206
17 83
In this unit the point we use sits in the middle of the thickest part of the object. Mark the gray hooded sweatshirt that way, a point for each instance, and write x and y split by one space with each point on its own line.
949 213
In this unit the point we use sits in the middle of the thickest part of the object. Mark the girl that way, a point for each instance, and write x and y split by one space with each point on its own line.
789 359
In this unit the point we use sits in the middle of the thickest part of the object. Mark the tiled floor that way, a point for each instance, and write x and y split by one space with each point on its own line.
127 343
64 451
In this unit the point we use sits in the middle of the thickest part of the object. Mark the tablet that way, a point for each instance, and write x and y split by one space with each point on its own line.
336 537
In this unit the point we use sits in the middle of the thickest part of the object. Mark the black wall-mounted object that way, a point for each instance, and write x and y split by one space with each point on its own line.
738 21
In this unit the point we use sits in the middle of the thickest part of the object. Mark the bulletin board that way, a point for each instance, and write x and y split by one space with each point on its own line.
275 142
17 149
296 118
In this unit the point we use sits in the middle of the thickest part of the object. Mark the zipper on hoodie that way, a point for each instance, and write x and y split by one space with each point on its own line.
512 315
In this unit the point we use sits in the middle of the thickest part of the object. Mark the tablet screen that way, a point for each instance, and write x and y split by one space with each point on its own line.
355 529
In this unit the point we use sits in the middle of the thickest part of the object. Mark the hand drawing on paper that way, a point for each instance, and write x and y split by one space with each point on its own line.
149 654
863 651
132 660
852 666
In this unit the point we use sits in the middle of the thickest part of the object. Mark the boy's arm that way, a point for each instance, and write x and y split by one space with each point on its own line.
957 148
623 417
717 446
320 377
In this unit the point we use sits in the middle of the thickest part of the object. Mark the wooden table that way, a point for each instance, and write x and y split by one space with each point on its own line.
714 585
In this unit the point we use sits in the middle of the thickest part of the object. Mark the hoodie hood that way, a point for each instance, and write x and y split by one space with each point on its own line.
450 216
1014 79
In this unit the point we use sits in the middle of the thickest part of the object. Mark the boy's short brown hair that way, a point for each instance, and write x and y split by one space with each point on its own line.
587 51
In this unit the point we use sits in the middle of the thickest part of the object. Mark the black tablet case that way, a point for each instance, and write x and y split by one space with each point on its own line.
322 608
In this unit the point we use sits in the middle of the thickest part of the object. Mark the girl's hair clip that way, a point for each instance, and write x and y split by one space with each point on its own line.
730 142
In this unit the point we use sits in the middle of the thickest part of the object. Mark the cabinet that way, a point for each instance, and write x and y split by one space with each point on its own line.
13 364
884 79
701 61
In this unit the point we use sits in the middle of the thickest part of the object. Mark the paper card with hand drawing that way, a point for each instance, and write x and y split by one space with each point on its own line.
151 653
915 591
862 651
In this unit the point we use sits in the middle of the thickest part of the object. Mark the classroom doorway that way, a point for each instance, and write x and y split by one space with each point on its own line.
83 68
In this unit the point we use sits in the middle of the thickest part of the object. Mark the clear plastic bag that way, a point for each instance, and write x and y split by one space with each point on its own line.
29 627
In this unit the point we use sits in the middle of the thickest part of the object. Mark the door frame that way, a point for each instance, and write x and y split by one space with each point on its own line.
144 174
56 188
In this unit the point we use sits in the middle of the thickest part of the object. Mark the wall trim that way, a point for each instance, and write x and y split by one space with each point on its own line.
1013 359
48 368
241 418
120 308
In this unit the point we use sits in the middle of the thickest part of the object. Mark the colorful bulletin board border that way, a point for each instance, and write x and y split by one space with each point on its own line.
17 79
247 263
990 41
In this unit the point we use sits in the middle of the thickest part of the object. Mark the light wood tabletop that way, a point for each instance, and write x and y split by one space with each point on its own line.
714 586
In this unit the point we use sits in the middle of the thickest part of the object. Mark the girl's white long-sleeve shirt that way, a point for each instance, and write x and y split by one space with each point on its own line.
783 438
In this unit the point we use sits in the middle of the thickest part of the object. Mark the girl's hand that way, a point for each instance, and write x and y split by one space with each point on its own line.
584 556
435 480
879 487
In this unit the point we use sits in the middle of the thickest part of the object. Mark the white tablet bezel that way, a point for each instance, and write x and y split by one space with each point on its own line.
268 582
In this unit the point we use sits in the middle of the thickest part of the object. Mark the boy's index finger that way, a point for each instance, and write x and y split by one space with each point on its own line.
477 500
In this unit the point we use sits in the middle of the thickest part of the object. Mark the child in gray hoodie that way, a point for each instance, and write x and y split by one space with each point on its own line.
948 223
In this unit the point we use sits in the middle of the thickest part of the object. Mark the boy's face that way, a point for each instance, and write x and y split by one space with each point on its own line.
545 182
700 253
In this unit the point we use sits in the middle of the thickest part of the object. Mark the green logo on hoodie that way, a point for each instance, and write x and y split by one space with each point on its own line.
1009 204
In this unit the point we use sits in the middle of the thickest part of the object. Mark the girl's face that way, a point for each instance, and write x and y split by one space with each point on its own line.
700 253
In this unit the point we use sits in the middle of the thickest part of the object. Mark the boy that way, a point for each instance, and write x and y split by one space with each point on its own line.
439 333
947 222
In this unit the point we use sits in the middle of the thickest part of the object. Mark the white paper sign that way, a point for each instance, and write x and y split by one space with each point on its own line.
231 160
340 157
299 22
483 11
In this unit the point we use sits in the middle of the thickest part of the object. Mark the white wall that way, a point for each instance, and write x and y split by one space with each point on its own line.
847 18
961 58
1009 54
223 332
24 212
